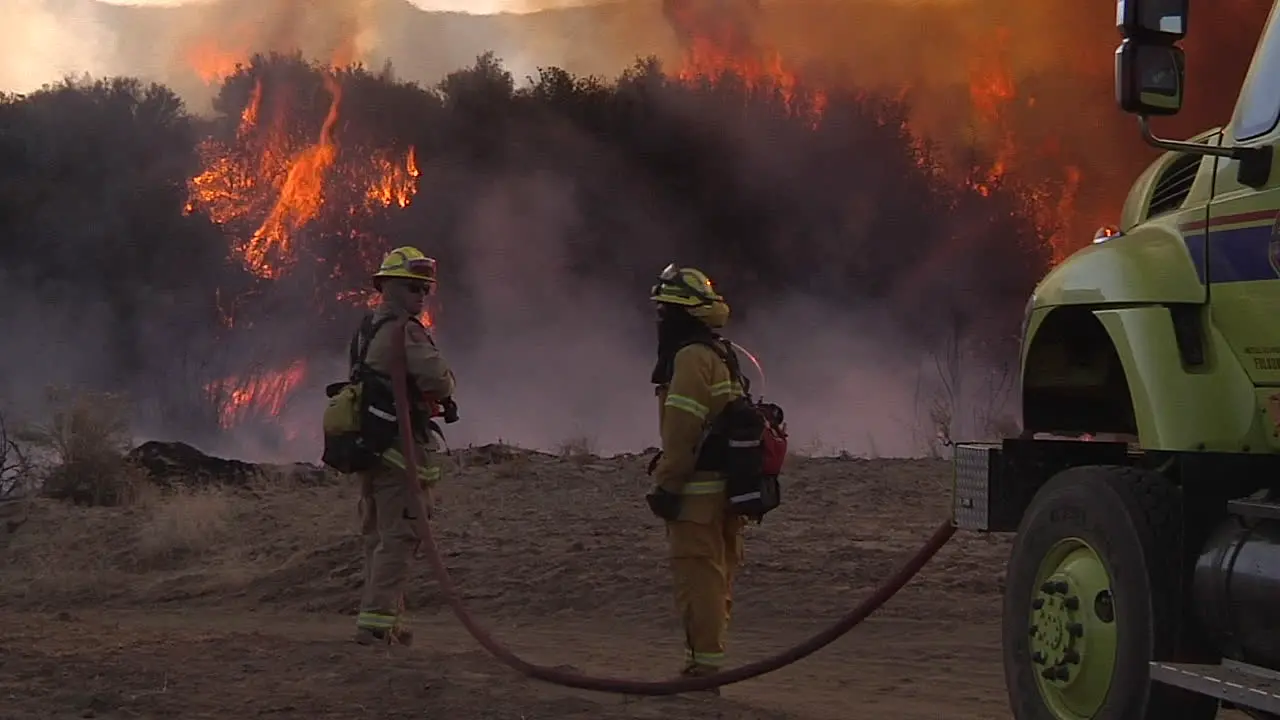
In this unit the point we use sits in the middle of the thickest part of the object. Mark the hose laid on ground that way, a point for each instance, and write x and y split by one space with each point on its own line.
556 676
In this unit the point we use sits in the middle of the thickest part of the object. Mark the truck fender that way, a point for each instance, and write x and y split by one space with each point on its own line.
1153 265
1209 407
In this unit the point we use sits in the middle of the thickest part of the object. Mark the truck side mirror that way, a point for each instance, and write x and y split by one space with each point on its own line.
1149 78
1156 21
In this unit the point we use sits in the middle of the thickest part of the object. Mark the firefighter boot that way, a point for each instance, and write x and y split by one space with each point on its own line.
698 670
376 636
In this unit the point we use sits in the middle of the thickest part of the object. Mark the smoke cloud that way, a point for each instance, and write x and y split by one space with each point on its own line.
552 338
45 40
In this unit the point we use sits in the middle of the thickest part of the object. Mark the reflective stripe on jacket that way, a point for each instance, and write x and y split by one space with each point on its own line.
700 387
428 372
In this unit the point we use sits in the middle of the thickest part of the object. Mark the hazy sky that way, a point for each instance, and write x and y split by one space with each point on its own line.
45 40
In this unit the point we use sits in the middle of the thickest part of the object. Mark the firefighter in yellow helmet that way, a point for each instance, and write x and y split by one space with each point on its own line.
693 384
388 507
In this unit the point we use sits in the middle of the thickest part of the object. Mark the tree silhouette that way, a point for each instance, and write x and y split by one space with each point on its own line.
755 187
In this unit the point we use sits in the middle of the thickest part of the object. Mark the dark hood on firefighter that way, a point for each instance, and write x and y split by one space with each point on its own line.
676 328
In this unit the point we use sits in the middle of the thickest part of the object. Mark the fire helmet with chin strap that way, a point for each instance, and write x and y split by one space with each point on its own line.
691 290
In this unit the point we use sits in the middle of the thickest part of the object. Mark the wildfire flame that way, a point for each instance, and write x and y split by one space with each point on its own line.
993 93
264 167
268 183
211 61
719 40
263 393
720 36
269 177
300 196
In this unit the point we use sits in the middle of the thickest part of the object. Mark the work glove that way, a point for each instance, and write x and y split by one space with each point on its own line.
664 504
450 410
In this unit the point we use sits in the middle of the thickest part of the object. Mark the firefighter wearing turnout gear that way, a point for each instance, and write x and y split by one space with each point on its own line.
388 506
693 384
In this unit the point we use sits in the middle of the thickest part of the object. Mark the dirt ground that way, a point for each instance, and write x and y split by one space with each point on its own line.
212 603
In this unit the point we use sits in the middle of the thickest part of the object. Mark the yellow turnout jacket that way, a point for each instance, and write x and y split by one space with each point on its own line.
701 385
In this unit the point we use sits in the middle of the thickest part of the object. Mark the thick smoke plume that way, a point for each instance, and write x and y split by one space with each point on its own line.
876 200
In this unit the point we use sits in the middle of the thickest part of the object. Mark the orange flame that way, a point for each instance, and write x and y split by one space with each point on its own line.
301 195
992 94
720 40
263 393
766 69
288 187
268 176
394 184
211 61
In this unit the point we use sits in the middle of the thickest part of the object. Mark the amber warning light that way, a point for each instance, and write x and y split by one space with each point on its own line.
1106 232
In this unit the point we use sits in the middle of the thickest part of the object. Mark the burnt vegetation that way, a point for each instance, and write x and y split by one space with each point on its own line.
99 246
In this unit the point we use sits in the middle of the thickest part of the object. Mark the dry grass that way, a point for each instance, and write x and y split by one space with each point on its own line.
188 522
184 542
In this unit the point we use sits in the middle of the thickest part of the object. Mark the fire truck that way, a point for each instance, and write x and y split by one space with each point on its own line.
1144 489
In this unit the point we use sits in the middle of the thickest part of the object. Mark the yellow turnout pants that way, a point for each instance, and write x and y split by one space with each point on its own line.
706 551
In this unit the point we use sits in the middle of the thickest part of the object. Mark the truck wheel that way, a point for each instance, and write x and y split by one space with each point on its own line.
1092 596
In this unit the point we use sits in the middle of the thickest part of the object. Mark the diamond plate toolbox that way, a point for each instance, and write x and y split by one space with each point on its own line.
972 484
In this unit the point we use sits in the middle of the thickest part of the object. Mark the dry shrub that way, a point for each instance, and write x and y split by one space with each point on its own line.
579 450
86 440
506 461
186 522
516 467
814 447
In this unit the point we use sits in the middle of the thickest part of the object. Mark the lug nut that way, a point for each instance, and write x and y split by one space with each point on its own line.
1038 658
1037 603
1048 587
1071 656
1075 630
1073 603
1061 587
1047 673
1061 673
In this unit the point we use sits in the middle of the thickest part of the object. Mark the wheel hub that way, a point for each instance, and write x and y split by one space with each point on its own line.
1072 631
1057 633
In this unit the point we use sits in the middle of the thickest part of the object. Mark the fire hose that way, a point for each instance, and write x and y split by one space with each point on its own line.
557 676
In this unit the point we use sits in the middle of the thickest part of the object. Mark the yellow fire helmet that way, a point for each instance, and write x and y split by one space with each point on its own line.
408 263
691 289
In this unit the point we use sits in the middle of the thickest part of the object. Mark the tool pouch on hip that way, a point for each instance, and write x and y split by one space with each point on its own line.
344 448
359 424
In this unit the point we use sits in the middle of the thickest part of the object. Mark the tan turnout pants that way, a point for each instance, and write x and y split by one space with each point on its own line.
388 514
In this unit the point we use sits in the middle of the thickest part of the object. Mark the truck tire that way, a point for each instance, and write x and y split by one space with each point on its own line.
1092 596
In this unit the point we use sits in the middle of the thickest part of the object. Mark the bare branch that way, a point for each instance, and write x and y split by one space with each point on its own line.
15 468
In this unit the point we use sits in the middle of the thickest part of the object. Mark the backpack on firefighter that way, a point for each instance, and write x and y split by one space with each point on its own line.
360 421
746 443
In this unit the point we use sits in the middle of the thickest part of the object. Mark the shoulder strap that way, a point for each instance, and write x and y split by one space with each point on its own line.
359 349
725 352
